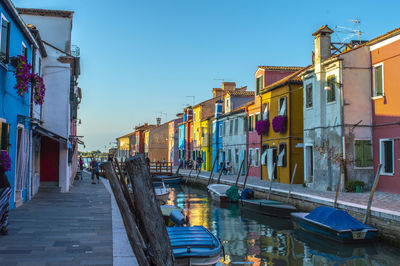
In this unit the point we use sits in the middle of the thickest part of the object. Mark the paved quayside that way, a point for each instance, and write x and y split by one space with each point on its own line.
57 228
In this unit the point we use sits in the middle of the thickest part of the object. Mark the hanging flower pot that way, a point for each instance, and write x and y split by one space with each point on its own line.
38 88
22 74
279 123
5 161
262 127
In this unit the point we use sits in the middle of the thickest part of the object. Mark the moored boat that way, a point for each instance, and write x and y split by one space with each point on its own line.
218 192
162 192
334 224
194 245
268 207
168 179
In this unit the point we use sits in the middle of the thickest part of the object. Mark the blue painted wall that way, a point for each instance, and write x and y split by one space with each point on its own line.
217 143
181 141
11 104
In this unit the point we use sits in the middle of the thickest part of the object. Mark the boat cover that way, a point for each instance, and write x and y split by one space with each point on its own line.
247 193
193 241
233 193
336 219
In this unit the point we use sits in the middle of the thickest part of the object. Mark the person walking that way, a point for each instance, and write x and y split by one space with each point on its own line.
81 166
5 192
199 161
95 171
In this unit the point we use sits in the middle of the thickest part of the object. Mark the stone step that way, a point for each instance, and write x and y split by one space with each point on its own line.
49 187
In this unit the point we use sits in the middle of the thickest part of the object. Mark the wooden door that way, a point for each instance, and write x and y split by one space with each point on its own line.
49 160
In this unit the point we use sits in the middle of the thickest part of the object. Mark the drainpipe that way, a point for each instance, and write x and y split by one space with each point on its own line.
30 164
289 146
343 131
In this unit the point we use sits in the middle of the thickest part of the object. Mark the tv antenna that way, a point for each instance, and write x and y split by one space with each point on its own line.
193 97
350 32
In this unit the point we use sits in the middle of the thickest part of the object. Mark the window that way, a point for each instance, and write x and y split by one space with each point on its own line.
24 51
236 156
258 117
257 156
5 41
378 80
259 84
282 106
265 148
266 111
4 136
251 123
227 106
220 130
250 157
330 93
236 129
230 127
194 116
363 153
309 96
386 156
225 128
282 155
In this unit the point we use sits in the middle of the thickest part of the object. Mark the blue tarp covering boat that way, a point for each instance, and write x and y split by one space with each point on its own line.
336 219
194 245
334 224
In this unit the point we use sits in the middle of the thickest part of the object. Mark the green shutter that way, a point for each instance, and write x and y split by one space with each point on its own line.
359 153
367 153
378 81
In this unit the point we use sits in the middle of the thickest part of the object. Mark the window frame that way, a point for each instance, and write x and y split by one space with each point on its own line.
259 84
381 156
24 49
250 123
332 91
374 95
280 105
265 112
309 96
7 48
220 130
355 155
250 157
257 157
285 155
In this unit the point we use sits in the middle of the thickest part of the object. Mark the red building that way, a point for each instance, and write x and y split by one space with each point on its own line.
385 65
139 138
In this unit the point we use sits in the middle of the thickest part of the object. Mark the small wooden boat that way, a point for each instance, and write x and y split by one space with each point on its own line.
194 245
218 192
168 179
162 192
334 224
268 207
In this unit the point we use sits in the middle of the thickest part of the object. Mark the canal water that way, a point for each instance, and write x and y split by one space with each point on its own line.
250 238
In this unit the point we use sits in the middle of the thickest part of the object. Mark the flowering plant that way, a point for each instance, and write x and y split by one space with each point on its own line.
38 88
279 123
5 161
22 74
262 127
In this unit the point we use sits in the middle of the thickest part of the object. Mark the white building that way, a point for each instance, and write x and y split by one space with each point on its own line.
57 128
337 114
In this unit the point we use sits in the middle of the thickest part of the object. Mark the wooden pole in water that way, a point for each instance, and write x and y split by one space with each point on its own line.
179 167
219 176
188 177
247 174
338 186
135 238
291 182
238 175
371 196
148 211
212 169
270 182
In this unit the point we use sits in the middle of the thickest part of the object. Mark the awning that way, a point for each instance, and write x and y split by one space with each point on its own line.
47 133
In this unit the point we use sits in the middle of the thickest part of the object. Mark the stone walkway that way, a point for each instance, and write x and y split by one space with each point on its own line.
387 204
57 228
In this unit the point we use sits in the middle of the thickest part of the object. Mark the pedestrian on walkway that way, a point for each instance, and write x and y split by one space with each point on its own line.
95 171
5 192
199 161
81 166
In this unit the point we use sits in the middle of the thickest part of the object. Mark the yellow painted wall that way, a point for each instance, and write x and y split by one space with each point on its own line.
205 140
292 135
146 141
197 128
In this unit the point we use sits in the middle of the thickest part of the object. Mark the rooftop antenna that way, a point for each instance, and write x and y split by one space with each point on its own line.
350 32
193 97
161 113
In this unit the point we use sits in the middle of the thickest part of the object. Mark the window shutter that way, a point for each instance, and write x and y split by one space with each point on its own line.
359 154
282 110
8 43
378 81
368 153
266 112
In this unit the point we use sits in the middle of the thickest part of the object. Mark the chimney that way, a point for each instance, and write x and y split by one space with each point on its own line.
322 44
218 108
158 119
228 86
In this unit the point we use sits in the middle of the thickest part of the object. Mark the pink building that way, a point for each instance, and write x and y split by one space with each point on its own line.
385 61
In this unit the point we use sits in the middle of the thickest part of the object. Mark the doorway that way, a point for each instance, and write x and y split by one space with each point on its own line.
49 160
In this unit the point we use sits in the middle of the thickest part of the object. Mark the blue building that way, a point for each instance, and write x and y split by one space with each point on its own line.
217 137
15 39
181 142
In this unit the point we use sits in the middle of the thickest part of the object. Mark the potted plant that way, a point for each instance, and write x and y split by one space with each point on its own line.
22 74
5 162
38 88
279 123
262 127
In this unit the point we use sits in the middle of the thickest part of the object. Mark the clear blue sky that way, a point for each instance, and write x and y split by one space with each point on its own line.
143 57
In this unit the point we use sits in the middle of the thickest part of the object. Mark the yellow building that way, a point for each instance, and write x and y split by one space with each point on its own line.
282 101
205 142
146 142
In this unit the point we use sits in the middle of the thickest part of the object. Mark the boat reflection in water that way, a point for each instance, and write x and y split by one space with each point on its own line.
255 239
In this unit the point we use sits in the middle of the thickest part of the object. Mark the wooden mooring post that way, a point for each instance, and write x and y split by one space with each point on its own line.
291 182
371 196
238 175
247 175
212 169
134 235
148 210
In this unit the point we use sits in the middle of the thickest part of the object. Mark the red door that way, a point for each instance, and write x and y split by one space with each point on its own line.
49 160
